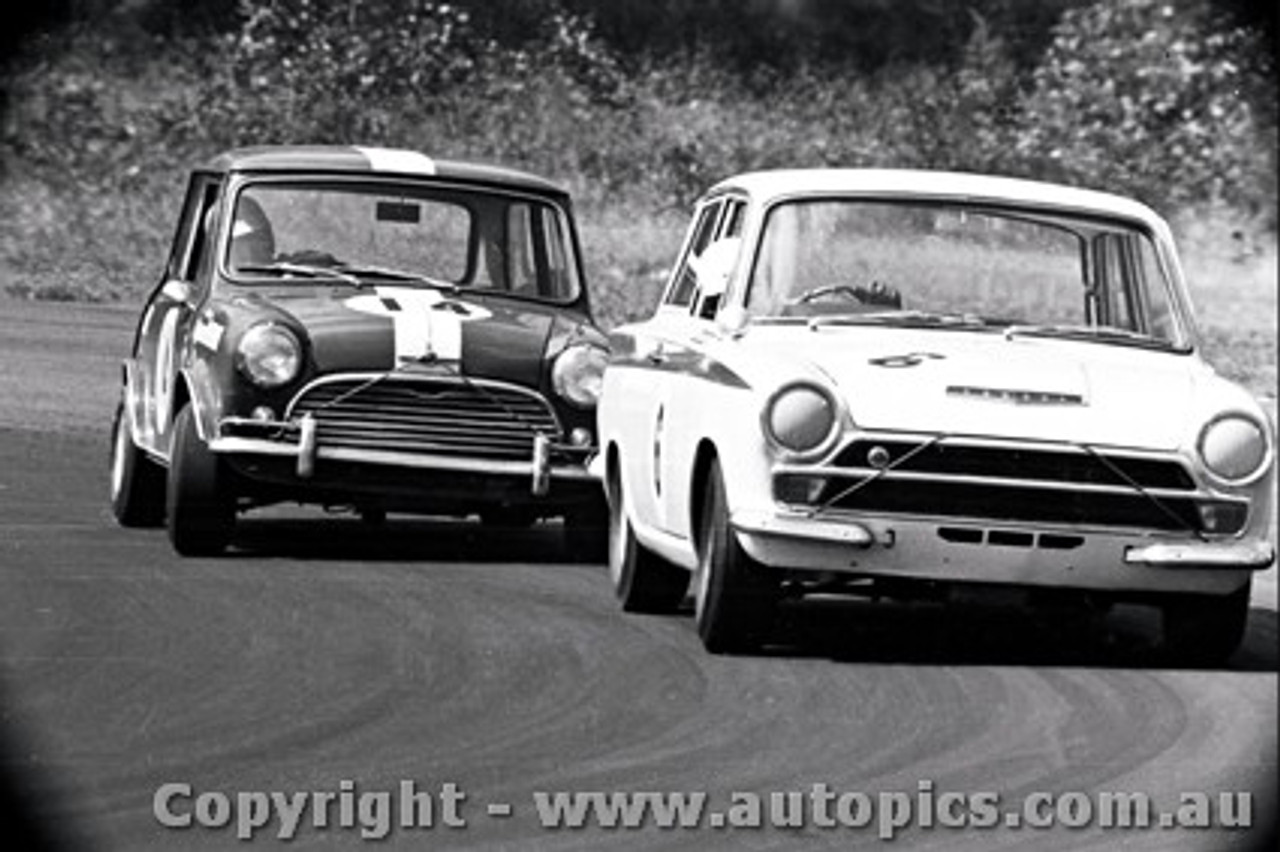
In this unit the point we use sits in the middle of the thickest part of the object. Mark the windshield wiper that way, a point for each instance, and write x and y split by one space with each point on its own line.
397 275
1103 333
303 269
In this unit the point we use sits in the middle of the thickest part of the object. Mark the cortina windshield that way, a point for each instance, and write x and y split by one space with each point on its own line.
962 266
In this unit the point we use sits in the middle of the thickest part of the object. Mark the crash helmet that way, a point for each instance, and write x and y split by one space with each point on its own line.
252 240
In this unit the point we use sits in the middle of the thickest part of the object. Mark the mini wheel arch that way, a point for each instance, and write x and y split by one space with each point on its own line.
200 407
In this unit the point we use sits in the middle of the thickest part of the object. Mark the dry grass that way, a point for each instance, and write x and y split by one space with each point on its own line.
628 250
1234 285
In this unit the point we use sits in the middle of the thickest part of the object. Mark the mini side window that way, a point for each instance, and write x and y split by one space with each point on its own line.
191 241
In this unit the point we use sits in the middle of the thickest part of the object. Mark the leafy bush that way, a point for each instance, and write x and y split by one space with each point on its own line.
1158 99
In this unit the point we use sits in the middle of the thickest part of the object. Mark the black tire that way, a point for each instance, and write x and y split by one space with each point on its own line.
737 600
1204 630
137 483
200 506
586 532
642 580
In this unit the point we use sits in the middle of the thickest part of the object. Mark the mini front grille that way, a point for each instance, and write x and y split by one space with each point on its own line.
450 417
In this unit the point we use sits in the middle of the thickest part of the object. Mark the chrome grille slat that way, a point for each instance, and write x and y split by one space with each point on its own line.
356 435
409 402
427 448
406 421
420 409
427 415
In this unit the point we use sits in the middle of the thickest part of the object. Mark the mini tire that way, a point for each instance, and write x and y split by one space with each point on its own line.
737 600
137 482
642 580
1204 630
201 509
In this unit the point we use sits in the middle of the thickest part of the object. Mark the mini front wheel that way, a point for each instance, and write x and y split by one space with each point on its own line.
200 506
137 482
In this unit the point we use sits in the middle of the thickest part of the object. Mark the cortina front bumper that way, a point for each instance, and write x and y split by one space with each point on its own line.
1249 554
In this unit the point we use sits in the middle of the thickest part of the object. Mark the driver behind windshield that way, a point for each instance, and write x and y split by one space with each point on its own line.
252 239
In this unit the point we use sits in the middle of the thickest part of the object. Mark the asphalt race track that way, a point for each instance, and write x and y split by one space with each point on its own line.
322 652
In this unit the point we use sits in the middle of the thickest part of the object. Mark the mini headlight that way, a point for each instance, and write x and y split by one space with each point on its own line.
578 374
269 355
800 418
1233 448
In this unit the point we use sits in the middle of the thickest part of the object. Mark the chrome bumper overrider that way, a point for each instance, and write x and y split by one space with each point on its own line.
797 525
1256 555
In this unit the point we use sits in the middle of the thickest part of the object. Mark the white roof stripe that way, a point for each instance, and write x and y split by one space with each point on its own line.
397 160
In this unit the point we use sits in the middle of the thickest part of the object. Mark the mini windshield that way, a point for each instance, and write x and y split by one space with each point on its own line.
952 265
368 233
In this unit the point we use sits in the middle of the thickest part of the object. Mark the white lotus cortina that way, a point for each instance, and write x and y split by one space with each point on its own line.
914 384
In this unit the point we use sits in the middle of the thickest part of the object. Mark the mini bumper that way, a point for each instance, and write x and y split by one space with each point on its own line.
548 460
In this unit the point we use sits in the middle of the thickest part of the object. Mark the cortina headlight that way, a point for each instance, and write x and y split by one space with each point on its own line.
1233 448
269 355
800 419
578 373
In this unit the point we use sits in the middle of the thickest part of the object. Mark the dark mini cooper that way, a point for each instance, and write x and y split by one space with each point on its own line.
366 328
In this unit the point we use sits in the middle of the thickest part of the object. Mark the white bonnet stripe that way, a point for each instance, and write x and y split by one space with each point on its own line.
427 328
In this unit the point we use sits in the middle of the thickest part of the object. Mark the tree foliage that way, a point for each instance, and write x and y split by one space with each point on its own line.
1153 97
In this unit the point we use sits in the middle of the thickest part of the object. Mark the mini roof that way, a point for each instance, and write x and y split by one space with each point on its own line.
350 158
